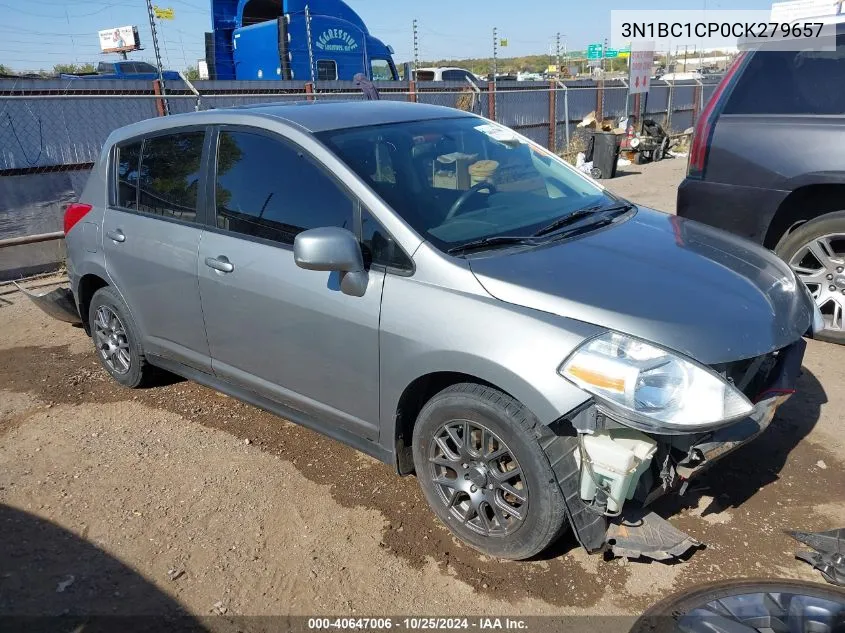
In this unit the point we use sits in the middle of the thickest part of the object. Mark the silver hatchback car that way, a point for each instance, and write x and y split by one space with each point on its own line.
442 293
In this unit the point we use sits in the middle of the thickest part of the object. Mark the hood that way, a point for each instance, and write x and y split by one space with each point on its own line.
689 287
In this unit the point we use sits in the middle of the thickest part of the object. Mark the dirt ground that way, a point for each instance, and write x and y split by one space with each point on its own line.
177 498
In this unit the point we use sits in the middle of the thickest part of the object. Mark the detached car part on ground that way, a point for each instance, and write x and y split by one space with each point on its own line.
541 353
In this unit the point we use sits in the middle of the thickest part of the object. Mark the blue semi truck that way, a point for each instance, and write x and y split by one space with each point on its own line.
322 40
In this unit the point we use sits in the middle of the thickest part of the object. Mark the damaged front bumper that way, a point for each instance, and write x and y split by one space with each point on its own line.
635 531
716 445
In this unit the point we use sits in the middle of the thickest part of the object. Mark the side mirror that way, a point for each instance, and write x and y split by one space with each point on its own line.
333 249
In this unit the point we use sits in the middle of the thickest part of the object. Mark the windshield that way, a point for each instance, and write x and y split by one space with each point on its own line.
459 180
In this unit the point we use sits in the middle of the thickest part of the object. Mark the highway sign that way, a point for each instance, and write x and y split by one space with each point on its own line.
594 51
611 53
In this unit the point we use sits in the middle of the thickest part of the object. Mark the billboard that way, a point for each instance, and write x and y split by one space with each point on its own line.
119 39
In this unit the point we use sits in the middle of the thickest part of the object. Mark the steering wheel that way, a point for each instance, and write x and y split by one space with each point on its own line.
466 195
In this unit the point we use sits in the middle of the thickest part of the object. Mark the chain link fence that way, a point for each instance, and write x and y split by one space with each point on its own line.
52 131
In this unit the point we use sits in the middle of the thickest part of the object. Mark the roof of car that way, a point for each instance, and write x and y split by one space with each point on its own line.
319 116
309 116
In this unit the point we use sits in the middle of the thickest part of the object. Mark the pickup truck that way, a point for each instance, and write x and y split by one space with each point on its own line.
124 70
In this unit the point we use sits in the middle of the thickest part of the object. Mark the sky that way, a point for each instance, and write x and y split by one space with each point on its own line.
37 34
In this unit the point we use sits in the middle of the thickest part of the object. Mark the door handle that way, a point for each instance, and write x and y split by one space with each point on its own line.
221 264
116 235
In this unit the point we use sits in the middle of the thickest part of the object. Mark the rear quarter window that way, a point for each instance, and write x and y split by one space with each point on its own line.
791 82
128 165
169 175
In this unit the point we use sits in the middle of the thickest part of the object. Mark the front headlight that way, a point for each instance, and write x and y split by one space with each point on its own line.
653 389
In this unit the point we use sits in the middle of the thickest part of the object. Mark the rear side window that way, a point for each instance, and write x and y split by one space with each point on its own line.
791 82
269 189
455 75
326 70
170 174
128 162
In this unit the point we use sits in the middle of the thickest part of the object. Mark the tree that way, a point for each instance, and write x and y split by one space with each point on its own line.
73 69
192 73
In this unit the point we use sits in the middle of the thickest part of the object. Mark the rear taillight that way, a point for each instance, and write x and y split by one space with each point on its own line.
74 213
707 120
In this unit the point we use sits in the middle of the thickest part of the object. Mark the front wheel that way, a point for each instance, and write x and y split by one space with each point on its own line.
484 474
816 252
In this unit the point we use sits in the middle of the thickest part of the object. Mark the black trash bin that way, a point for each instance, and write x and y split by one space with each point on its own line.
605 146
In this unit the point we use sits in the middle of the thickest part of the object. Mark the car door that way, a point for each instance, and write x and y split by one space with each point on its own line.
151 234
283 332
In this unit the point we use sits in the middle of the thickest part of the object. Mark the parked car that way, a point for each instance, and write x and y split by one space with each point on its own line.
444 73
766 163
442 293
125 69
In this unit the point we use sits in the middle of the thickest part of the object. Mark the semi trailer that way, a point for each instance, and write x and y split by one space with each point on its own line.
312 40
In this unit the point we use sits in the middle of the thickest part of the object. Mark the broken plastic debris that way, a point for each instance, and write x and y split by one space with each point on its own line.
641 533
829 554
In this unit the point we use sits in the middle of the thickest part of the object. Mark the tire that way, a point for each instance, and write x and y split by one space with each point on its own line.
793 248
474 411
783 601
122 332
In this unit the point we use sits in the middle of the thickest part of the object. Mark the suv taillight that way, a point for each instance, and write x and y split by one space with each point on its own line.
74 213
707 121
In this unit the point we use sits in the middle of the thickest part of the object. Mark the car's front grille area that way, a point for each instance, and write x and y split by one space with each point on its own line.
752 375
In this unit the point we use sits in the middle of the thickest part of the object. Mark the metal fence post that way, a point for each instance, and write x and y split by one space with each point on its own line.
599 101
669 106
552 116
696 101
565 112
412 91
161 104
309 91
491 100
627 97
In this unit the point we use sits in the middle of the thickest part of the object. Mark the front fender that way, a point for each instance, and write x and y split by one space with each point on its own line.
427 329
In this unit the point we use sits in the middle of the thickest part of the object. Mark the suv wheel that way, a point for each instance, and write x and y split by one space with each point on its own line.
484 474
816 252
116 338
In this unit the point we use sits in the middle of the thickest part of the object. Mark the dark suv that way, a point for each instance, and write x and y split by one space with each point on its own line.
768 163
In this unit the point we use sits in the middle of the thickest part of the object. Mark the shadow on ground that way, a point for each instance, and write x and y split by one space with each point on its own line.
54 580
740 475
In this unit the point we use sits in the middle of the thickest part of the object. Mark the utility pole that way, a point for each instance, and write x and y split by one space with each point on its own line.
603 51
557 53
495 52
416 49
157 53
310 49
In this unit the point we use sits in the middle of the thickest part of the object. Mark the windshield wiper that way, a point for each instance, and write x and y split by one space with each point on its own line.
578 214
495 240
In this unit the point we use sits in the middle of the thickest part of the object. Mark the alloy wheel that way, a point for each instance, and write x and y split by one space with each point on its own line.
111 340
478 478
748 606
820 264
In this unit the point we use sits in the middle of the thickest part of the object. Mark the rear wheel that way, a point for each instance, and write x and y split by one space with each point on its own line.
484 474
116 339
816 252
